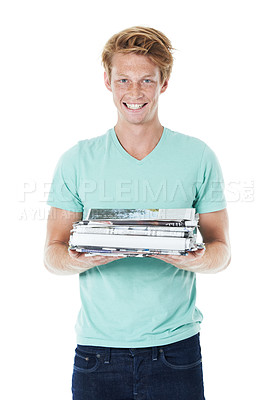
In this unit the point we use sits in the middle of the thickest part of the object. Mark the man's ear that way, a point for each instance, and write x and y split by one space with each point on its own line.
107 82
164 86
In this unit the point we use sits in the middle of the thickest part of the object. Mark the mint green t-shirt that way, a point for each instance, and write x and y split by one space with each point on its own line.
137 302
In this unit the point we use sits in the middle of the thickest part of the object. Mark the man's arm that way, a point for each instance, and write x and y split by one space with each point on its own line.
57 258
216 257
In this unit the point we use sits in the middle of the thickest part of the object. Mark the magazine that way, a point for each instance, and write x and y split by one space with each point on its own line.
136 232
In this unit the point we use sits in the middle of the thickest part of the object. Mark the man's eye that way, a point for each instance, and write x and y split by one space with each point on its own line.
123 80
147 80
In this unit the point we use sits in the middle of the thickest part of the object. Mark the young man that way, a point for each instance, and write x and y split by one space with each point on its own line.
138 327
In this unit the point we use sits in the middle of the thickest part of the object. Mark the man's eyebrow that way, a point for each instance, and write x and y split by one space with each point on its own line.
148 76
121 74
144 76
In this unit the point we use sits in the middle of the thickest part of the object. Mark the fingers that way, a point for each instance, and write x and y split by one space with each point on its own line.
198 253
98 260
182 260
92 260
74 253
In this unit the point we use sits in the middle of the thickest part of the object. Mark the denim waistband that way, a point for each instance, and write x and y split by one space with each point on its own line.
153 350
108 351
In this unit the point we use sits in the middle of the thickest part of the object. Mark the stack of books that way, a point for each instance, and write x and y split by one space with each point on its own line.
136 232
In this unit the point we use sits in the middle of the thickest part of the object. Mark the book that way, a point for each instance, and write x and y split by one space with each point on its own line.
167 243
148 222
136 232
113 251
141 214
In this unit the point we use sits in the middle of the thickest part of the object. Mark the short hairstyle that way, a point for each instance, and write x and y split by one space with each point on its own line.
144 41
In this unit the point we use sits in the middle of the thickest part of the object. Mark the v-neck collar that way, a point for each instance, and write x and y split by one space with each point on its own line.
131 158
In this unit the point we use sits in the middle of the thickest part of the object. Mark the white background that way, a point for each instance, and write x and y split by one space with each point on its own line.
52 95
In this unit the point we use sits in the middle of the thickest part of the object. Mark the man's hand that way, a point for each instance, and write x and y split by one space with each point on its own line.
57 258
216 257
183 262
91 261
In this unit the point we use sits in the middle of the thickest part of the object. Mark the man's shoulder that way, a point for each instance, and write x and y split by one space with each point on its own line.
93 141
82 145
179 138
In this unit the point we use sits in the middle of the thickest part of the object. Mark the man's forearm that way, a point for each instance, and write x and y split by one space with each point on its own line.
58 261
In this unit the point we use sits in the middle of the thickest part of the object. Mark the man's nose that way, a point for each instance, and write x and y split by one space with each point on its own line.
135 90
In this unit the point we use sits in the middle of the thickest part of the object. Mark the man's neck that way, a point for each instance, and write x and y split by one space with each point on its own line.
138 140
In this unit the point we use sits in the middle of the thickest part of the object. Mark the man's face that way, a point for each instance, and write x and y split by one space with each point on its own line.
135 84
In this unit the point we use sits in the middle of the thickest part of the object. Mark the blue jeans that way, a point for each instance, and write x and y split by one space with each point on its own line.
169 372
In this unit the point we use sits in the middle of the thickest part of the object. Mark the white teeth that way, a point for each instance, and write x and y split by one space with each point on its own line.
134 106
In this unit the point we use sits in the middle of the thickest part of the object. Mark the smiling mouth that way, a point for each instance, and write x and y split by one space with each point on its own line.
133 106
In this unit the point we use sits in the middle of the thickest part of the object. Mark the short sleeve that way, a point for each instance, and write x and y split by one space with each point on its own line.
64 193
210 184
